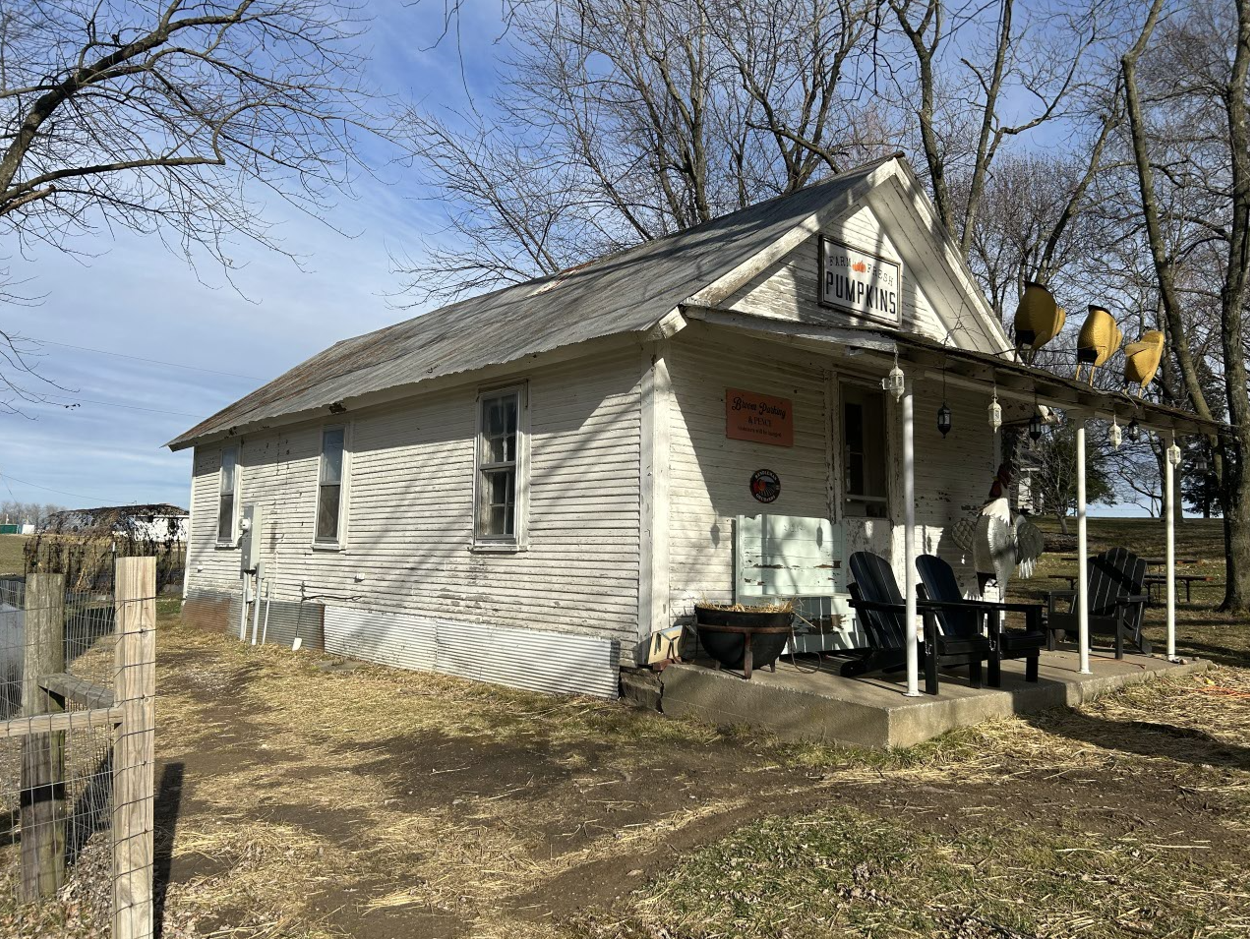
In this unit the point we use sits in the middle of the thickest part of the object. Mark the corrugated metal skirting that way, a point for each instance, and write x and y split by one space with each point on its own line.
219 611
560 663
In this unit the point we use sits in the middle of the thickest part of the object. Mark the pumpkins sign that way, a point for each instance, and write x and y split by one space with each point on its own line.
863 284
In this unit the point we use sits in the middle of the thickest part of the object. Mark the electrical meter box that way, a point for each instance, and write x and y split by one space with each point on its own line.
249 559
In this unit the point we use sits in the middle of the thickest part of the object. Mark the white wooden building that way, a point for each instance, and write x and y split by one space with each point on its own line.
523 487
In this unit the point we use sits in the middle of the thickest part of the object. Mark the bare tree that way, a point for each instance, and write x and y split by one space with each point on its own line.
624 120
1186 95
162 116
969 59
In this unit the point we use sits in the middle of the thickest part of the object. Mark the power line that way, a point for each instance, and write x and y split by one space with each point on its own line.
139 358
114 404
77 495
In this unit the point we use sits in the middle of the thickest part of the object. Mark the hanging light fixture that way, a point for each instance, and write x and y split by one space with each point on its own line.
995 412
1114 434
1134 430
1200 464
1174 453
895 382
1035 427
944 412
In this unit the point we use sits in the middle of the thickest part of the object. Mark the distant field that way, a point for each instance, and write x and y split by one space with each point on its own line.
11 561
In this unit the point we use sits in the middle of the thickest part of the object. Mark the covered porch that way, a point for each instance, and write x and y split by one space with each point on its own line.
888 709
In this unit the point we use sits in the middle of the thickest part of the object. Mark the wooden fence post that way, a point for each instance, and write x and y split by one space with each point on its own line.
134 690
43 755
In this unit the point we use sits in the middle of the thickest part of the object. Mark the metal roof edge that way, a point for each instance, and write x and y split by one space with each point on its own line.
667 325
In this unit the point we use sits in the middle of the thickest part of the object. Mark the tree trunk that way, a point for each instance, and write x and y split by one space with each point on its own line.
1063 522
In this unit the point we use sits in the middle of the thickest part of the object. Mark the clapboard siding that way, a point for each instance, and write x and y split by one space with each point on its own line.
709 475
790 289
409 511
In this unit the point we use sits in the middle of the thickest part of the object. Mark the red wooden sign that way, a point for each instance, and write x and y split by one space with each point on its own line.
761 418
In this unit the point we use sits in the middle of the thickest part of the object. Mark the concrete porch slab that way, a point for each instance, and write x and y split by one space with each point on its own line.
808 702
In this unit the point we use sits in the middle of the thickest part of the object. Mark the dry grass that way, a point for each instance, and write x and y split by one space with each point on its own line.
12 555
367 802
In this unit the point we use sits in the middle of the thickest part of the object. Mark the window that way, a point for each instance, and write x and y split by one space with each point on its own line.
330 487
228 490
863 449
499 449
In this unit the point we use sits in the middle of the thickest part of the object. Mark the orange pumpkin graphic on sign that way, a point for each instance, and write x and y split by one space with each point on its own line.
859 267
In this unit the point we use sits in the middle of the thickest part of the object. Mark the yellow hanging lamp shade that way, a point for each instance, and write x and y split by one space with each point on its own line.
1141 360
1038 319
1099 339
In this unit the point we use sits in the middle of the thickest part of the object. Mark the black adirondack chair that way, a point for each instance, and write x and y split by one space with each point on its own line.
960 617
881 610
1117 602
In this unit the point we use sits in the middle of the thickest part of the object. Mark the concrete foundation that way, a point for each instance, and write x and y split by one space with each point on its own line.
811 702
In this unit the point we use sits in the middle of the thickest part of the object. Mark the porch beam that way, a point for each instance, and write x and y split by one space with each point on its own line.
1011 387
1082 550
909 541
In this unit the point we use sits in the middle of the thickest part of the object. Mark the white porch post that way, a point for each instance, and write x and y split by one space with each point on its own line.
909 542
1169 481
1082 551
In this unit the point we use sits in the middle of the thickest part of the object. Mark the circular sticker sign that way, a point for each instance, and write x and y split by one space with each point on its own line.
765 485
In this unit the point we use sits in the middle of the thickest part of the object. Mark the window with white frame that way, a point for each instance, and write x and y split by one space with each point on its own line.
499 467
228 492
330 487
864 452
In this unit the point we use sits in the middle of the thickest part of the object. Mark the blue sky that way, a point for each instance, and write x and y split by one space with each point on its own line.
134 297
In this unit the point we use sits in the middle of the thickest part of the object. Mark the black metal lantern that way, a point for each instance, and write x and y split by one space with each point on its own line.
1200 464
1035 428
944 419
1134 430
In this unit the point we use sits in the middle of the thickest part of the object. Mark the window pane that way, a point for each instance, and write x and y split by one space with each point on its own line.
229 460
328 513
225 518
332 456
499 502
499 429
501 487
497 454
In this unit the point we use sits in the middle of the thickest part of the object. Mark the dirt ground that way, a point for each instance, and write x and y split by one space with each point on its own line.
302 797
307 798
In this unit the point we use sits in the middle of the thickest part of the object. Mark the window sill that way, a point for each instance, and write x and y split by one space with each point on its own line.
225 545
487 547
327 546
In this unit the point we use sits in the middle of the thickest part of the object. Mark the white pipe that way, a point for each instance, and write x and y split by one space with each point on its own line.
256 610
1082 551
264 633
243 611
1169 477
909 543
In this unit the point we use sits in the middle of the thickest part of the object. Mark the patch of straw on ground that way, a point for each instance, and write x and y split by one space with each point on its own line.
847 872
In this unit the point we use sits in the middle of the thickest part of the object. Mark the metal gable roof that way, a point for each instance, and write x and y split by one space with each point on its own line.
627 292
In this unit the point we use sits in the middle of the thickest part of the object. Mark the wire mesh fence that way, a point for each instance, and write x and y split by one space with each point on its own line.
76 689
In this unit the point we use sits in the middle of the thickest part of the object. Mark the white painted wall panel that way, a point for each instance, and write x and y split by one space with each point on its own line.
710 474
790 289
409 528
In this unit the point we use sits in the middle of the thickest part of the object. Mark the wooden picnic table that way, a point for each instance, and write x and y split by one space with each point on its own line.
1152 581
1150 562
